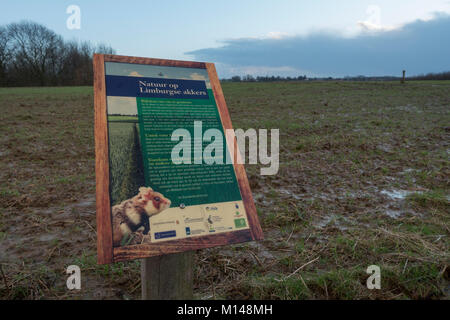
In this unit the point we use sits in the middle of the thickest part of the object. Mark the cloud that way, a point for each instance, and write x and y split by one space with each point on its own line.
277 35
418 47
373 21
370 26
197 76
135 74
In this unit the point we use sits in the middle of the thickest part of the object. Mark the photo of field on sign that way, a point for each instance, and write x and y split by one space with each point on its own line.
126 167
152 198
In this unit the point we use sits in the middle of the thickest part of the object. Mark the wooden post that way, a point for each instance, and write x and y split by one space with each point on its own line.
168 277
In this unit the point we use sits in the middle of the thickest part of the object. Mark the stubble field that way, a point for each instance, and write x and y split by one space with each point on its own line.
363 180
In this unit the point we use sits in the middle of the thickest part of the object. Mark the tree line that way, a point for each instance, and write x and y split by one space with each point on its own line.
432 76
33 55
249 78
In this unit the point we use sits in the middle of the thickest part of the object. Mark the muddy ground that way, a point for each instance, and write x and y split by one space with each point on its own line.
363 179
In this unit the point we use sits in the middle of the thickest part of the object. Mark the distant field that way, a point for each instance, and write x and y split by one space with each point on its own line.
364 179
126 167
123 118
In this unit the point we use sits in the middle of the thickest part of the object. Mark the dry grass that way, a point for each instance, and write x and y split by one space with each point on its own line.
363 180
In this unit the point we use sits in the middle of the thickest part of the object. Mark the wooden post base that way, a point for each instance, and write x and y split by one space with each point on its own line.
168 277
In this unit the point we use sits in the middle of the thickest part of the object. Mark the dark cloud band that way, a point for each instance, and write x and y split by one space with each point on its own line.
419 47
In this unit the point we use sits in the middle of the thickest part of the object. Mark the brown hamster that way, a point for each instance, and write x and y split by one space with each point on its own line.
134 213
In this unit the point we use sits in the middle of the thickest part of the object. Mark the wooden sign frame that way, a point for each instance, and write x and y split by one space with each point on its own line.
106 252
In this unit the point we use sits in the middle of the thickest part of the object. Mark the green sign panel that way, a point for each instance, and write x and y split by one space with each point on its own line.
187 183
170 171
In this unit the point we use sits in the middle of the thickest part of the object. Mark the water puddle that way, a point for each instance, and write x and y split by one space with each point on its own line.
393 213
408 108
334 220
398 194
263 252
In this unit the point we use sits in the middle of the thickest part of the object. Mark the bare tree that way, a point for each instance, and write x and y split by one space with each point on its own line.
77 62
31 54
4 55
105 49
35 51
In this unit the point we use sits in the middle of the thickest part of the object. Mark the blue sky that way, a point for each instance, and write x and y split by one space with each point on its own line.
237 35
